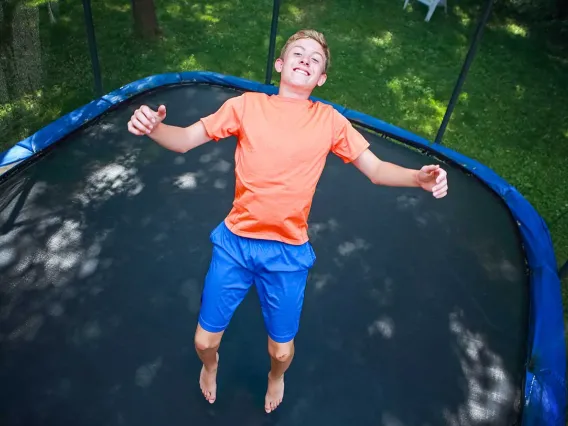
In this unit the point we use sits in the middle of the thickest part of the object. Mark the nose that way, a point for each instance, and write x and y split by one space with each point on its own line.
304 60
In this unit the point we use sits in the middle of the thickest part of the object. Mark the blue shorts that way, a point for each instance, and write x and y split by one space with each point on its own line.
278 270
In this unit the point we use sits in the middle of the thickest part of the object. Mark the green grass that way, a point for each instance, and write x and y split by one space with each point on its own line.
386 62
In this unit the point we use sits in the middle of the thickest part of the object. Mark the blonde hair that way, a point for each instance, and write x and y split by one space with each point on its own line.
311 34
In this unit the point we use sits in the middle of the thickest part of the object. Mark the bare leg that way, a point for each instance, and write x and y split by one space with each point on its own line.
207 344
281 355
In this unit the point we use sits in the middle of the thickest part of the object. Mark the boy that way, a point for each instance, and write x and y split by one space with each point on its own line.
283 141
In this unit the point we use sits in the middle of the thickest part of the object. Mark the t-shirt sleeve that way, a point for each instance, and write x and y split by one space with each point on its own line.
348 143
226 121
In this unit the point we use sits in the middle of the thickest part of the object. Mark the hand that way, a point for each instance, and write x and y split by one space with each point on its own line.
144 120
433 179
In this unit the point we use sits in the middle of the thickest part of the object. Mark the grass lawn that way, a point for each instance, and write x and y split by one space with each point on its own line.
386 62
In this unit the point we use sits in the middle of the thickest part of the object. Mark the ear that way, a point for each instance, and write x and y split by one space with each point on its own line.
322 79
279 64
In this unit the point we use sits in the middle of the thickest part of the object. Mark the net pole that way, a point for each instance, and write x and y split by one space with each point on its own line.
465 68
93 46
272 45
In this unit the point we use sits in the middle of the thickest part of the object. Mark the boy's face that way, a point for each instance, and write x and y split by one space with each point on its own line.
303 65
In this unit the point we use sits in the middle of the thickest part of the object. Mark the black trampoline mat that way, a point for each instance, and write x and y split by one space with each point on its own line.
415 312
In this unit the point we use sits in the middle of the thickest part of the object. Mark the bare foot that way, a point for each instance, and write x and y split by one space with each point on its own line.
208 382
274 394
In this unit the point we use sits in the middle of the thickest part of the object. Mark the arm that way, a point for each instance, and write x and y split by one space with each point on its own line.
144 121
383 173
350 145
180 139
430 178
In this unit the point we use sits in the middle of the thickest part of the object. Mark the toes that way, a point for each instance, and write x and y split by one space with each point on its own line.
272 405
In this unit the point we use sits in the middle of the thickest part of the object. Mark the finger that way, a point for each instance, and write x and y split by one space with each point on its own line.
140 118
440 189
442 176
430 168
440 186
161 111
138 125
440 193
145 116
149 113
133 130
153 116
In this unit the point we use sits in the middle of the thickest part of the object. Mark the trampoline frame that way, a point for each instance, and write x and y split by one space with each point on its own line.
544 394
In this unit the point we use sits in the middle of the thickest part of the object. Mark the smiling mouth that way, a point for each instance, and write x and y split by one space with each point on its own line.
303 72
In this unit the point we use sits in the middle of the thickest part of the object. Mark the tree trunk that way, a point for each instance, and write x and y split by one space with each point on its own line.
7 57
145 19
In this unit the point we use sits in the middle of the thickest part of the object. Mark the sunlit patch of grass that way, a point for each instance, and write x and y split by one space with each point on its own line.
395 85
208 13
5 110
123 8
519 91
463 17
24 116
175 9
35 3
438 107
516 29
190 64
383 40
296 13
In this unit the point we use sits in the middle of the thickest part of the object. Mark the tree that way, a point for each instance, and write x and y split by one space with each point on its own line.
7 69
20 49
145 19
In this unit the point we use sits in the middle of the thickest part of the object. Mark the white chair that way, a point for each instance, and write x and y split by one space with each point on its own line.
432 5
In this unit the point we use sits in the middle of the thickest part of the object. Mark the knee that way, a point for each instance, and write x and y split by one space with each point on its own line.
281 352
204 341
282 356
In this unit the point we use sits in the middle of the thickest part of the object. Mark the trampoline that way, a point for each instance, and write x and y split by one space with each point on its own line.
417 312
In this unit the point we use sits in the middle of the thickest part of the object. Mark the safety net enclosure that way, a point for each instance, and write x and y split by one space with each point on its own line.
418 311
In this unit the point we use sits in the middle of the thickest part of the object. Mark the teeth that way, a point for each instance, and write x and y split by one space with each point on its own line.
302 72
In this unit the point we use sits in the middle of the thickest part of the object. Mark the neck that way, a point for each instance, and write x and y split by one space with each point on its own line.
287 91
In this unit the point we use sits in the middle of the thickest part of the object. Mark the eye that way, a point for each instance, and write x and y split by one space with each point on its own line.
315 60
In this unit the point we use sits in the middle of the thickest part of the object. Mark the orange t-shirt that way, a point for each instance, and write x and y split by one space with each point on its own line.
281 152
